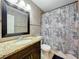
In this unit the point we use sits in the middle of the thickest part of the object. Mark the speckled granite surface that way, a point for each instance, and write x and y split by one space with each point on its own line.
11 47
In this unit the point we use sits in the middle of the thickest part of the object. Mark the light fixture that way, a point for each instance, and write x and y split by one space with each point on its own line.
21 4
13 1
28 7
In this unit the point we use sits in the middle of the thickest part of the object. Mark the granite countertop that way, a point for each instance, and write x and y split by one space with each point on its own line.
10 47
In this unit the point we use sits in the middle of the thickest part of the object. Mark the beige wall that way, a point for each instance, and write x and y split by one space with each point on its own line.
35 17
78 5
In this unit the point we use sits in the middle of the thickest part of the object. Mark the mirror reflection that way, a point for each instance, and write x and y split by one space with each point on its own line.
16 20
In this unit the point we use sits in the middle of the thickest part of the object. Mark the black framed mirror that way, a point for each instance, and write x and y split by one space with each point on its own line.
15 20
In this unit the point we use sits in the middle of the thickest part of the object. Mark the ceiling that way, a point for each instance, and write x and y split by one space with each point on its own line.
47 5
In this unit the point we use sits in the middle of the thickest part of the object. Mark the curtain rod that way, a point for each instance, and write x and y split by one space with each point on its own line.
62 6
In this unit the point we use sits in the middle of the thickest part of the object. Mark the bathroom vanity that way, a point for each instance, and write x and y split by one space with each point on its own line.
30 52
30 49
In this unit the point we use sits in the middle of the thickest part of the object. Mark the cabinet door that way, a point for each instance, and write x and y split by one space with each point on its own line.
36 53
32 52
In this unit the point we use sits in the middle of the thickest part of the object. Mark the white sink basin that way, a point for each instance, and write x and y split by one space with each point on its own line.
23 42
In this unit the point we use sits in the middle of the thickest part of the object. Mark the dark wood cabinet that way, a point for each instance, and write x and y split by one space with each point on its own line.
31 52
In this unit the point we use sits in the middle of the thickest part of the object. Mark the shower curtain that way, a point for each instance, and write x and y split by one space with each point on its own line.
60 29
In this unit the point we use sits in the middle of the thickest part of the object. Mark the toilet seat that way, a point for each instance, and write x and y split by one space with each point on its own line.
45 47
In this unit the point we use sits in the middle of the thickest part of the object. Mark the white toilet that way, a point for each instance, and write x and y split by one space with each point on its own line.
45 50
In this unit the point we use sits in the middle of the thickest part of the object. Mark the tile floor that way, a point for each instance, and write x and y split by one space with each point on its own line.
59 53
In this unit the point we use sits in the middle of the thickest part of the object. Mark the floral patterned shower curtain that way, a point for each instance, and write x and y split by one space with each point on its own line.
60 29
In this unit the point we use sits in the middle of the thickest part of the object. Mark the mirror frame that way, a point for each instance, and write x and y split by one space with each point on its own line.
4 20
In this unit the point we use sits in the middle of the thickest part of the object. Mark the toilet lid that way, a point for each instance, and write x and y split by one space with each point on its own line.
45 47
